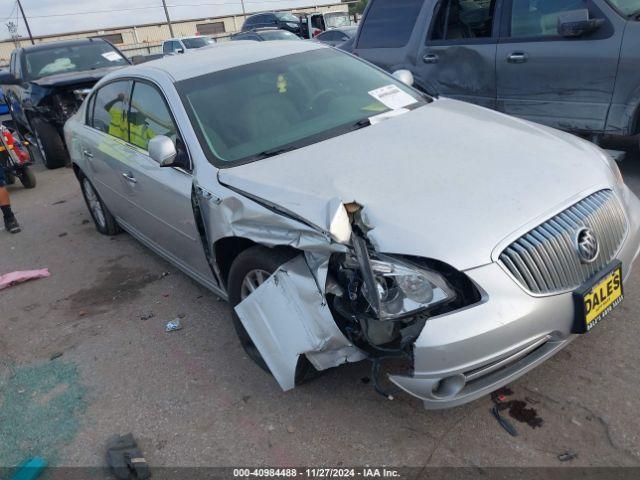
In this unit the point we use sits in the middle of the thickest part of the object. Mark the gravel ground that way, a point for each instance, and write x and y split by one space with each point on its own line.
192 398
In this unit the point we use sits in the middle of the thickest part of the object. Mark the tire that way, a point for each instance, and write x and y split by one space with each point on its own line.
27 178
50 144
105 222
268 260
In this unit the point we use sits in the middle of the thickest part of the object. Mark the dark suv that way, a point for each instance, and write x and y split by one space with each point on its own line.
282 20
570 64
46 84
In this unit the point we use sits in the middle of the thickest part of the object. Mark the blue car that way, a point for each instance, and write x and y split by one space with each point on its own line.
3 106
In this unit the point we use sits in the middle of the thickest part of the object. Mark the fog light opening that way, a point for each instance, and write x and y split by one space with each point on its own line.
449 387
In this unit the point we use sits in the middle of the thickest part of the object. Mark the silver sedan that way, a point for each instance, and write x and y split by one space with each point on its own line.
348 217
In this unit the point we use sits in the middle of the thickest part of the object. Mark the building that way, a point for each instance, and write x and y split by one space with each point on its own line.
145 39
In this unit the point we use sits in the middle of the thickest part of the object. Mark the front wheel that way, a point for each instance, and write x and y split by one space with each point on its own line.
249 270
105 222
50 144
27 178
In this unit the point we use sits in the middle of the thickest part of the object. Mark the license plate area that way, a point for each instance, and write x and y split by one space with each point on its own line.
595 300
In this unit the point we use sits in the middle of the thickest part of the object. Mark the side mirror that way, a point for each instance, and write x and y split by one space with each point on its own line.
576 23
405 76
180 50
7 79
163 150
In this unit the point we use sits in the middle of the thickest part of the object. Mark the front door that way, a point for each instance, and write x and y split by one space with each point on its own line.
160 196
457 60
562 82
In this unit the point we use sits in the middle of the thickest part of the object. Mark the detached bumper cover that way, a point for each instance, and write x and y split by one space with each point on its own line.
462 356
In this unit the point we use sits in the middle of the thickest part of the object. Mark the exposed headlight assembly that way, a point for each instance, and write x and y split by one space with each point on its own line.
396 289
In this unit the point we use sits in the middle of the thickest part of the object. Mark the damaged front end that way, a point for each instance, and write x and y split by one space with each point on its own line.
348 305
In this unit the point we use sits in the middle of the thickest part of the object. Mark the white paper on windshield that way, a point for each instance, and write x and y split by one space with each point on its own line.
111 56
392 97
387 115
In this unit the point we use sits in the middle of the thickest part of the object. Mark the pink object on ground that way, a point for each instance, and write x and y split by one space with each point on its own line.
13 278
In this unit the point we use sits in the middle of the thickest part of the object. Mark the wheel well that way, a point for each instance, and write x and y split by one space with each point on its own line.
226 250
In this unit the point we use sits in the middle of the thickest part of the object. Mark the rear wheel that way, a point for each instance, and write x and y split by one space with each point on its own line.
50 144
249 270
27 178
9 177
104 221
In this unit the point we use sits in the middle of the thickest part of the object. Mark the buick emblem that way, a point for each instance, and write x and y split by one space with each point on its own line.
587 245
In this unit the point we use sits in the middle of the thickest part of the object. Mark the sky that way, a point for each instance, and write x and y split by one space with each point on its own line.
60 16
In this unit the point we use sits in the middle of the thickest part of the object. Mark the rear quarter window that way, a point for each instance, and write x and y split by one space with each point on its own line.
389 23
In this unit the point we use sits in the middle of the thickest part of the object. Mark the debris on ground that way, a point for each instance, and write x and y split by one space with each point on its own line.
174 325
55 355
86 222
59 202
125 458
291 429
567 456
504 423
10 279
63 234
517 409
147 316
30 469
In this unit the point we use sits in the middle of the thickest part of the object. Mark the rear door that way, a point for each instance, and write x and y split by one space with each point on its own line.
105 144
566 83
457 58
160 197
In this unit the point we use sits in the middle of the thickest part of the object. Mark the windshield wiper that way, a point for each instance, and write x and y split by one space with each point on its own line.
273 152
365 122
634 14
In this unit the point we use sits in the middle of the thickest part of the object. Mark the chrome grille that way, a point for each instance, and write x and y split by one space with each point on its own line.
545 260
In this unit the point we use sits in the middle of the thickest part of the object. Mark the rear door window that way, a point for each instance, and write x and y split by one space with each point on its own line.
463 19
389 23
110 110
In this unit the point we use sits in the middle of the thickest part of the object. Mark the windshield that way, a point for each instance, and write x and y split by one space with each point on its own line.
198 42
74 58
278 35
335 20
262 109
627 7
287 17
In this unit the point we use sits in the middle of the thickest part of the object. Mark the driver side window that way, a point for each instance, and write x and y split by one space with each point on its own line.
537 18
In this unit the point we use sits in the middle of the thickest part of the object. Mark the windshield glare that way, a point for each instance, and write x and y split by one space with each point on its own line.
287 17
75 58
336 20
627 7
198 42
250 112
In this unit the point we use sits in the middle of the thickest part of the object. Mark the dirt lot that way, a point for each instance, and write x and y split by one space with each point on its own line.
193 398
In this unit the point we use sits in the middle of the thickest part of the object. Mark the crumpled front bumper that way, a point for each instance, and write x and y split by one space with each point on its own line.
469 353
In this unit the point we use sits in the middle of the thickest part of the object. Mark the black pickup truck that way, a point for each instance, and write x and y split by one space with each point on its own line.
46 84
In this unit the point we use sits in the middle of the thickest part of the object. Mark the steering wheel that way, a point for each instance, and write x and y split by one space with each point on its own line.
325 94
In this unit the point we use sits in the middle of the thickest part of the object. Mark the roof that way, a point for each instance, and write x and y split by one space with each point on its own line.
65 43
221 56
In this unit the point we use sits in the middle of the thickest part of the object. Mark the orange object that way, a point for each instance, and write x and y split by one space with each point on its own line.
10 142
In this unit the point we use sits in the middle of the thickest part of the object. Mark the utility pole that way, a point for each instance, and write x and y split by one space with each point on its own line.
244 12
26 23
166 12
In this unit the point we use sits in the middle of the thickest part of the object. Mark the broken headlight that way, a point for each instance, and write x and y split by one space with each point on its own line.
402 289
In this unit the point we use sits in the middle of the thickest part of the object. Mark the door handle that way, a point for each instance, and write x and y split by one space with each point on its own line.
87 153
430 58
129 177
517 57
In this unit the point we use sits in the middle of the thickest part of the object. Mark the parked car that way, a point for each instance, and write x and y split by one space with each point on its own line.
569 64
467 244
181 45
282 20
265 34
337 36
313 24
4 109
46 84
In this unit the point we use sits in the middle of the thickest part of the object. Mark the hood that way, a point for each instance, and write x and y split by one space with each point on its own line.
447 181
72 78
